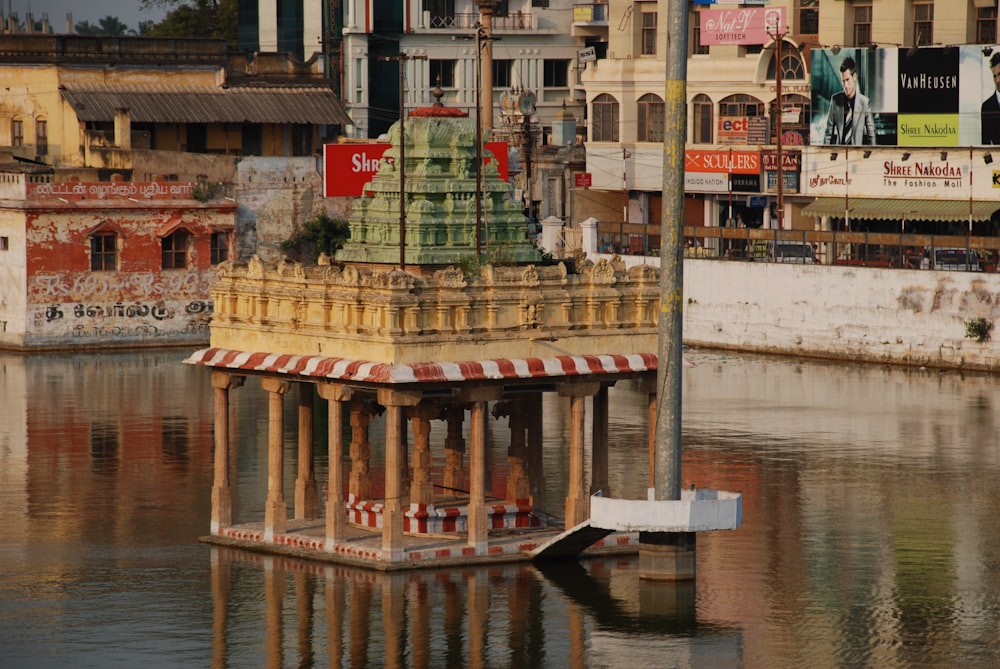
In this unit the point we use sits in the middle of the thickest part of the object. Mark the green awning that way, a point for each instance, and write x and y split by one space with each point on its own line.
900 209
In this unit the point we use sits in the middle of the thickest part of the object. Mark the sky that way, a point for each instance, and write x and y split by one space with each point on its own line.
127 11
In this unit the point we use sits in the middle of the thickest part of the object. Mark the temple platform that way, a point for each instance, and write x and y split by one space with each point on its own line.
362 546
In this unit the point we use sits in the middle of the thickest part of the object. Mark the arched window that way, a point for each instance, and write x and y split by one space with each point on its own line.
741 105
651 118
701 113
604 119
792 66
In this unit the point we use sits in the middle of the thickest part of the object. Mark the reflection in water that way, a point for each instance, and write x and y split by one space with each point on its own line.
870 533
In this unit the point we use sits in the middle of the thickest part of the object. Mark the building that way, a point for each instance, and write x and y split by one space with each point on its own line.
139 106
735 132
107 264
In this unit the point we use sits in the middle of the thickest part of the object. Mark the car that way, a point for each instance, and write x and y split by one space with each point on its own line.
954 260
791 252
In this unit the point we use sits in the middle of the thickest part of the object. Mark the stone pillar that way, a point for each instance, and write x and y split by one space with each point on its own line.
577 499
392 509
306 495
336 524
552 241
648 386
667 556
588 227
536 464
599 445
454 451
477 516
517 475
360 483
275 510
421 487
222 494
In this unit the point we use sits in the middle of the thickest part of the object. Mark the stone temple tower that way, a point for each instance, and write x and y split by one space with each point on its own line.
439 176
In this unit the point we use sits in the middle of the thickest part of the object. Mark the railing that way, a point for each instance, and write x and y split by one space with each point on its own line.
860 249
469 21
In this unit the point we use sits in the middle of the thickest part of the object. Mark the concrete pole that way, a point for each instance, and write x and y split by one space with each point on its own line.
668 425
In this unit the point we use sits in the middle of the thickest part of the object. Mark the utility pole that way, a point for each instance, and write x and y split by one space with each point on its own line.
777 33
402 59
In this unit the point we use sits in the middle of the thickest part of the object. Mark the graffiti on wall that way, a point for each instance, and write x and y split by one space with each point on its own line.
95 285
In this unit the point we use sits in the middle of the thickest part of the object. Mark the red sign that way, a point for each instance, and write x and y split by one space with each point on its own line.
722 162
582 179
348 167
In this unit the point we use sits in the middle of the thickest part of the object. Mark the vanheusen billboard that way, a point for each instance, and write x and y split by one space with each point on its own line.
928 96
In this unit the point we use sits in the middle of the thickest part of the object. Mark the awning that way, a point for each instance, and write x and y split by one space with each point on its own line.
900 209
313 105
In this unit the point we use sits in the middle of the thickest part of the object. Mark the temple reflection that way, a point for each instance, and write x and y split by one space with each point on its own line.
312 615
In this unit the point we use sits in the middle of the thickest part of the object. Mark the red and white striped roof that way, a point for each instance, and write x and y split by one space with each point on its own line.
359 371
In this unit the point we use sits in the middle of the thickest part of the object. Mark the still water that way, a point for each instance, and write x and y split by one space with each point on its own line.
871 536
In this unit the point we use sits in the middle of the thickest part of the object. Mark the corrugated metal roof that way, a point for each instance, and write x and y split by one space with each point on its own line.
898 209
314 105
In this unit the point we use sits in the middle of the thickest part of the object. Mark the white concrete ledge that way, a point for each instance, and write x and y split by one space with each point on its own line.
696 511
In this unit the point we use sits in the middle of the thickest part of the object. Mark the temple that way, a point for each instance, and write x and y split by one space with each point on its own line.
435 340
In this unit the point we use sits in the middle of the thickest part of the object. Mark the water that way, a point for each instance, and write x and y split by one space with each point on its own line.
870 535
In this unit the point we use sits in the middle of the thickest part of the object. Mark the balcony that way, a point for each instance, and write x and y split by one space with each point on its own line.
591 13
513 22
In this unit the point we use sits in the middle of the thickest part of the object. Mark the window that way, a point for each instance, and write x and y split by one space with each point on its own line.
16 133
442 12
604 119
220 247
555 74
741 105
442 73
651 118
862 25
807 13
791 63
4 243
923 23
702 115
696 45
104 252
501 73
986 25
41 137
175 250
648 33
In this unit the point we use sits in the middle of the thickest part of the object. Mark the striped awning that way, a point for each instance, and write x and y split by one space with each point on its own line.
313 105
357 371
900 209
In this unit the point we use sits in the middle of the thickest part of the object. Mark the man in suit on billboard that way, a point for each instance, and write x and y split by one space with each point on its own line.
850 119
991 106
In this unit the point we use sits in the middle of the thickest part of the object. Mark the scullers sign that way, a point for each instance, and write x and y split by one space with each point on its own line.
348 167
740 25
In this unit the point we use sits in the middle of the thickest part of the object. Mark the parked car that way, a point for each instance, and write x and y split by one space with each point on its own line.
791 252
954 260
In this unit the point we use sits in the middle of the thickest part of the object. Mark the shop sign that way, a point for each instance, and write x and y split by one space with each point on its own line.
727 162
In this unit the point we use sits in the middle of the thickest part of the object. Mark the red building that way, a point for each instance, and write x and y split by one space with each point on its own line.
107 264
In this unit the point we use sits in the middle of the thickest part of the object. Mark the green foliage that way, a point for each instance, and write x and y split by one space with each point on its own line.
205 191
979 329
322 234
196 18
109 25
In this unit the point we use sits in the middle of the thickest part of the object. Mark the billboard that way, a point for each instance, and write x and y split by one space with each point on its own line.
928 96
348 167
740 25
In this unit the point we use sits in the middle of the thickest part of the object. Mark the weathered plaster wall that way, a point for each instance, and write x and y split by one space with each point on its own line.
276 196
877 315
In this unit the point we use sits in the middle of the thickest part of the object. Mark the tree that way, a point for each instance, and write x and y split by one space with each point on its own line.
196 18
322 234
109 25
